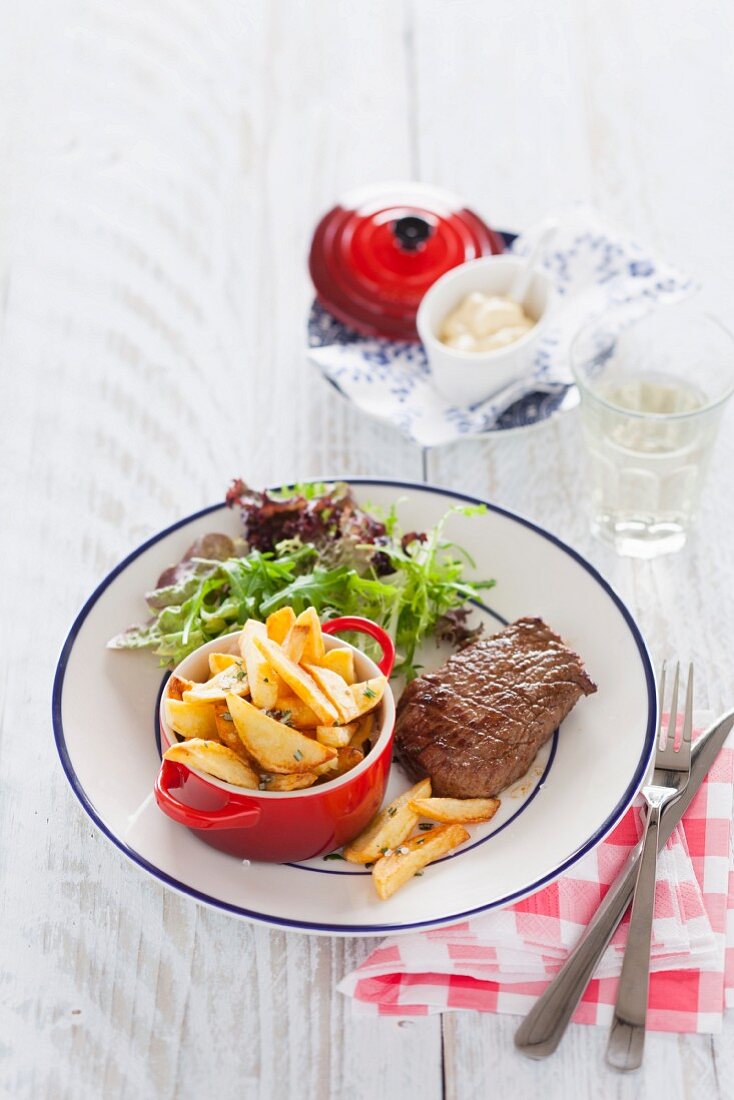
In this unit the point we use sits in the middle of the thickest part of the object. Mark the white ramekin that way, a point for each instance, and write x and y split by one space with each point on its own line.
468 377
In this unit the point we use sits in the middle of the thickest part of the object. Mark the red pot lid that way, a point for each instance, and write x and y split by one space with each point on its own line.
376 253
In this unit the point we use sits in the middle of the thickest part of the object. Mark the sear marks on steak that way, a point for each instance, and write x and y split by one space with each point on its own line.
475 725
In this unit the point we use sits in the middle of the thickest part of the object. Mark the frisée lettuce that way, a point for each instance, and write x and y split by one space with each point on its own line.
312 546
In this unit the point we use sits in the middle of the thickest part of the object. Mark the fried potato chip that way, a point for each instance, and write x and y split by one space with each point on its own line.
263 682
456 811
336 736
276 747
341 661
389 827
368 694
400 864
176 687
289 782
313 650
191 719
215 690
214 759
219 661
279 623
336 690
298 680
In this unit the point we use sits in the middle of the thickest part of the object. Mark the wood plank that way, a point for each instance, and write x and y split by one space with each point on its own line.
573 100
155 323
500 120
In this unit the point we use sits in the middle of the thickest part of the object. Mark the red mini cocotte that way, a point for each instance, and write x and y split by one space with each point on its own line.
274 825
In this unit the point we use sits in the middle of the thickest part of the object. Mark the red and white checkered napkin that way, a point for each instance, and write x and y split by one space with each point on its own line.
502 961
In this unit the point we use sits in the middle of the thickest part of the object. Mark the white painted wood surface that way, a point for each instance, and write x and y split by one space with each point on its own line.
163 165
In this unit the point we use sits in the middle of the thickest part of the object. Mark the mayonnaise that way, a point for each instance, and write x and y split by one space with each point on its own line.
484 322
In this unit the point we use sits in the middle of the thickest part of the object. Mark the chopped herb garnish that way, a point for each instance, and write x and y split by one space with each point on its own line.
421 840
369 693
285 717
240 674
226 717
384 851
265 680
425 826
391 811
418 874
298 755
334 855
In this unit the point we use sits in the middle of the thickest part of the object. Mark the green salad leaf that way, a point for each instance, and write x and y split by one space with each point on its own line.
410 584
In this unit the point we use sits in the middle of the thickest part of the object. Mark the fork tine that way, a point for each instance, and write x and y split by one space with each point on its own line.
688 720
673 714
661 700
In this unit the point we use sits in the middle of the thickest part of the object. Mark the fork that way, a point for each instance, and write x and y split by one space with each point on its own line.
672 769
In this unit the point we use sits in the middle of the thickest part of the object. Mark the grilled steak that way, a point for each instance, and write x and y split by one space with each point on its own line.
476 724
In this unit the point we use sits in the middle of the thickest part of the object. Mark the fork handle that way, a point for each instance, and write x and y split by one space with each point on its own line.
627 1036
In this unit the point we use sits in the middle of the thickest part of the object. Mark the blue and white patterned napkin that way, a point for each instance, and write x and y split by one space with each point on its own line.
594 270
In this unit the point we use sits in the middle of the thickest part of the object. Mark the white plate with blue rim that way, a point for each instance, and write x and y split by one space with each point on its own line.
581 783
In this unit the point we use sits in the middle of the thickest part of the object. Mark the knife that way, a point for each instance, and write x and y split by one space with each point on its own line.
542 1029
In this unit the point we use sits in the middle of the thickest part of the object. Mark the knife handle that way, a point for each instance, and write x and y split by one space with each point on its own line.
542 1029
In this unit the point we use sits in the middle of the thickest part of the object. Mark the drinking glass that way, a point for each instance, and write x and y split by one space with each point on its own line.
652 394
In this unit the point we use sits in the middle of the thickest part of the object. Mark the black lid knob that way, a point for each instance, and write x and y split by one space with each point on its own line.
411 232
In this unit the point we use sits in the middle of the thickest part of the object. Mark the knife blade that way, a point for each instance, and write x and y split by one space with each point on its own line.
542 1029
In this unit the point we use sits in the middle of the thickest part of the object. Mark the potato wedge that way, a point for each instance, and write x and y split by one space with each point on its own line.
456 811
395 869
191 719
328 767
340 660
279 623
336 736
298 680
347 758
228 735
368 694
263 682
336 690
389 827
214 759
217 688
314 648
299 715
289 782
295 641
277 748
363 732
219 661
177 686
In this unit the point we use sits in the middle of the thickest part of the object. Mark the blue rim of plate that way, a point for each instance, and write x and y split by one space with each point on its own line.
530 410
367 929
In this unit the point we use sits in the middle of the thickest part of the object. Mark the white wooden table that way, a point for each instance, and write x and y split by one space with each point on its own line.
163 163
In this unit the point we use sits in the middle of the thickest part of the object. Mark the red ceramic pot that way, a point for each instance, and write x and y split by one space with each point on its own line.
273 825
